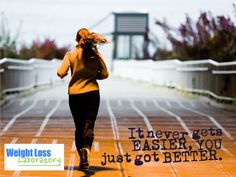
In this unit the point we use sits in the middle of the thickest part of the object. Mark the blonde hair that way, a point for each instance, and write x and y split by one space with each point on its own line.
88 40
84 35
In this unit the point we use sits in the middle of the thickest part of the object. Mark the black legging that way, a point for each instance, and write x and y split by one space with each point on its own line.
84 108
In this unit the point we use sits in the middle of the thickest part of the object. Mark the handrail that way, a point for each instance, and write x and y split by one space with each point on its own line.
17 75
206 61
12 60
216 79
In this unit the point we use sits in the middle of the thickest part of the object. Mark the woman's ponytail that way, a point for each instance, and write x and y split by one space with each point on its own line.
88 41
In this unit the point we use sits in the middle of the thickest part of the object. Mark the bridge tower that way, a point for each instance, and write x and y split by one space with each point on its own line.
130 35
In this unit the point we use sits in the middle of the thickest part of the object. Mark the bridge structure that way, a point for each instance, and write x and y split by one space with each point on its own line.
131 100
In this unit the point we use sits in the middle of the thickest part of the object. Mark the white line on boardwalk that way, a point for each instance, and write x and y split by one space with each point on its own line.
14 140
54 141
182 124
17 116
226 150
122 153
222 169
145 118
73 147
178 118
116 137
174 115
34 140
212 119
149 126
45 121
116 147
17 173
121 149
202 114
113 121
71 166
168 103
118 164
96 146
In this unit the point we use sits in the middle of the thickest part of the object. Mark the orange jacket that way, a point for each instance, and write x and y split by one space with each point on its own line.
84 71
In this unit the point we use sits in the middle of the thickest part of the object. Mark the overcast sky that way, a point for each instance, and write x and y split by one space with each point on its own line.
60 19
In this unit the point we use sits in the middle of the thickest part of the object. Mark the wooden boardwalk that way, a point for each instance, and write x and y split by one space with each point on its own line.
48 120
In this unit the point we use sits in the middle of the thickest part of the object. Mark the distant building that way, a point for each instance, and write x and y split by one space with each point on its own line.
130 35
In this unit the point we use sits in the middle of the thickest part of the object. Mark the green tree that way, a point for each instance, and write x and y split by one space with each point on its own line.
7 42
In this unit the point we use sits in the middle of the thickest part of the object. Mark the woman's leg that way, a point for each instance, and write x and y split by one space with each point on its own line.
76 107
84 109
91 111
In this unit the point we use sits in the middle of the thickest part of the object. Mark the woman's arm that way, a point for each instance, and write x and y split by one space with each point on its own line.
63 70
102 72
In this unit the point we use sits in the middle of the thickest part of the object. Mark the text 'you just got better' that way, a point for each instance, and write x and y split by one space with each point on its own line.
169 146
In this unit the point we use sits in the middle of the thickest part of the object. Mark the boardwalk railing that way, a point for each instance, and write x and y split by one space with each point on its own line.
218 80
17 75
